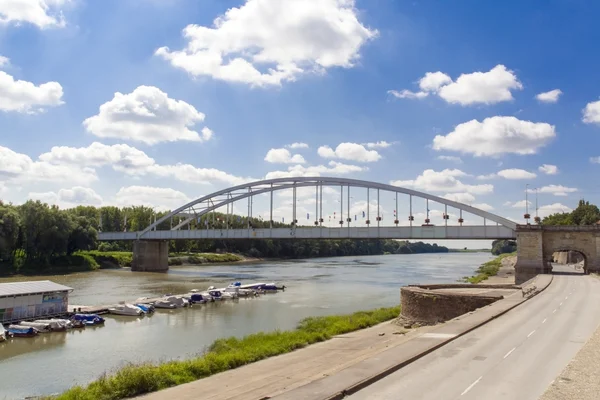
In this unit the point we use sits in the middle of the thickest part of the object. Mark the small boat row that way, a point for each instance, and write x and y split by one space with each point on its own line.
32 328
144 305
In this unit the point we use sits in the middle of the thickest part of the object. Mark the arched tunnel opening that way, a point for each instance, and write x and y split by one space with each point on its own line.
569 262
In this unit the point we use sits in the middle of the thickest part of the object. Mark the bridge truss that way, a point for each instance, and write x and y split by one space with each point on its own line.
194 211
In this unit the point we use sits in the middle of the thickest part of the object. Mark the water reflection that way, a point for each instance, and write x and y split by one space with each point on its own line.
314 287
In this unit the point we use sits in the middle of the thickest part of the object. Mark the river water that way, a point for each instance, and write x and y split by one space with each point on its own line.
53 362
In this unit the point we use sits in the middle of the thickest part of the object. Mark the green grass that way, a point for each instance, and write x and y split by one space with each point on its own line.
223 355
208 258
488 269
109 258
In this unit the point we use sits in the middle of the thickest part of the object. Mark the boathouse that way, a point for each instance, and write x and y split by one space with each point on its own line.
32 300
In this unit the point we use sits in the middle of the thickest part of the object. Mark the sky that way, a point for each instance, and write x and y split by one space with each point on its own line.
158 102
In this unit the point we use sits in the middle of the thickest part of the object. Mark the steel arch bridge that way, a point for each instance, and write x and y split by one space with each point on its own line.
499 228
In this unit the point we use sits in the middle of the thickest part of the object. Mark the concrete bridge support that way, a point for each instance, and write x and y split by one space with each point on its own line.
150 256
536 245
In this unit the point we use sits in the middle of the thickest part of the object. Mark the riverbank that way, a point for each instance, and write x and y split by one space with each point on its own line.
492 268
226 354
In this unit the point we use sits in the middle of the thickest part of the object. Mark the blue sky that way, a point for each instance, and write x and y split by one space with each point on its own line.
342 72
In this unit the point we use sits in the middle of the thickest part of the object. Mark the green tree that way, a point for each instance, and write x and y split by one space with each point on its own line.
10 225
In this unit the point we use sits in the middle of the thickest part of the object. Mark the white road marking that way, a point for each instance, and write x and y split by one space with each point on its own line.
566 297
439 335
508 354
531 333
544 321
471 386
554 311
560 304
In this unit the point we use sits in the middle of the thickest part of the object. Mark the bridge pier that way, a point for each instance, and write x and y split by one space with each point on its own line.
150 256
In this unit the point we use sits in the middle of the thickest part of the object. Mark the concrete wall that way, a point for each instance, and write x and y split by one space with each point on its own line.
422 306
150 256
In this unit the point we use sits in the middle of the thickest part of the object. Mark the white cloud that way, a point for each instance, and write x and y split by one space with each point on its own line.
520 204
162 199
297 145
283 156
457 160
245 45
17 168
465 198
483 206
595 160
334 168
42 13
378 145
68 198
548 169
147 115
120 157
433 81
26 97
489 87
135 162
515 173
443 181
486 177
495 136
4 61
556 190
591 113
349 151
549 97
548 209
407 94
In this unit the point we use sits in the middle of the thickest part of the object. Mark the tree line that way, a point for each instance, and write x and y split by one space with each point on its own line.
36 234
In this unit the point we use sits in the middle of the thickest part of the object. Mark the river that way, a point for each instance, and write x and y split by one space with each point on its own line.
53 362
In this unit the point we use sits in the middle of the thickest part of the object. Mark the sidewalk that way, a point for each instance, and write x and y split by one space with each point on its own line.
340 365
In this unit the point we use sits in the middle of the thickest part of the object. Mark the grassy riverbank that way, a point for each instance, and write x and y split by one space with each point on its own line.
203 258
488 269
223 355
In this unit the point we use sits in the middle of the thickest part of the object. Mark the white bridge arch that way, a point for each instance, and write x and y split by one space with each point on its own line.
503 228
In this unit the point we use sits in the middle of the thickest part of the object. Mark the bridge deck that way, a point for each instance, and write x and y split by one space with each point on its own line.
384 232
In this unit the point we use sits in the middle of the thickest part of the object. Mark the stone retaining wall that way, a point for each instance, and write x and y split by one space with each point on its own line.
422 306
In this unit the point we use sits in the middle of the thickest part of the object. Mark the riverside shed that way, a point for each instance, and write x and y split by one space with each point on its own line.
32 300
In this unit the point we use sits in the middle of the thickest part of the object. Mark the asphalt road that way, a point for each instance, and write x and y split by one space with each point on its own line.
516 356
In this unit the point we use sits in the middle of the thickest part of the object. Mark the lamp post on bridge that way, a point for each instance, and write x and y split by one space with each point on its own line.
527 216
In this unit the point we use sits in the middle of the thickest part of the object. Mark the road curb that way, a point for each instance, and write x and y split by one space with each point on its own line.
382 374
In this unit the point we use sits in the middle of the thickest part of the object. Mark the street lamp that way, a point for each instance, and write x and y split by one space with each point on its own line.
537 218
527 216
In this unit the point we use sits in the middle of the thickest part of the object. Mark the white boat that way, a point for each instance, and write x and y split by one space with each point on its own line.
235 288
164 304
56 324
39 326
224 293
3 333
126 309
171 302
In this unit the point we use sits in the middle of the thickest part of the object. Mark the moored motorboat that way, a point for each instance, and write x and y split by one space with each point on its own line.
39 326
56 325
196 298
88 319
215 294
4 334
126 309
164 304
22 331
147 308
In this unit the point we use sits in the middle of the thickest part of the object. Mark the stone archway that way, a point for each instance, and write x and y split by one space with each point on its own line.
537 243
569 256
